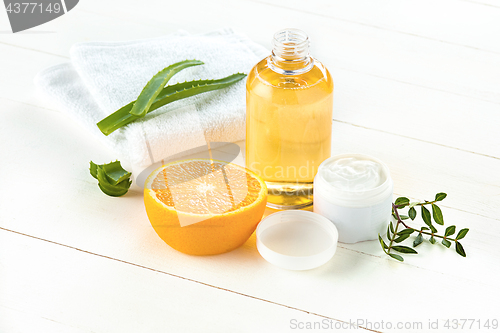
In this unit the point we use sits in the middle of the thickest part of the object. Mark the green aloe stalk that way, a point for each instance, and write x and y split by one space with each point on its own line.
112 190
397 236
167 95
113 179
156 84
114 172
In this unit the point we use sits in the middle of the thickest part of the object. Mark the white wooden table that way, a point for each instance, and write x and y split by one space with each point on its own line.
417 85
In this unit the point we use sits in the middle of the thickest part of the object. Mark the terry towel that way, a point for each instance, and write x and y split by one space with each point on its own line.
102 77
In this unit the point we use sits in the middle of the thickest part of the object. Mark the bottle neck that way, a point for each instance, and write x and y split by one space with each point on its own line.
290 55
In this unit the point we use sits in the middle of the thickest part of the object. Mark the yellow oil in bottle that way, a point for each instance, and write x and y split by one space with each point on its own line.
289 120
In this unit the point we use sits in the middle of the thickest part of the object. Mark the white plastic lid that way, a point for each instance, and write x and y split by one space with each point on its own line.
296 239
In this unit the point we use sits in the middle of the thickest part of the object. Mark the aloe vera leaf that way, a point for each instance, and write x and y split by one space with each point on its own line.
112 193
112 190
113 171
169 94
187 89
93 169
156 84
117 119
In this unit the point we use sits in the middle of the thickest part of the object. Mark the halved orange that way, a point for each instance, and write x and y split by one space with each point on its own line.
203 206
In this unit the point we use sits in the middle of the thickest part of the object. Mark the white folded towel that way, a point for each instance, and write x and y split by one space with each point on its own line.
102 77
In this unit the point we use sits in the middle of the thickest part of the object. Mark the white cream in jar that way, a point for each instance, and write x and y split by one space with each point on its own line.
354 191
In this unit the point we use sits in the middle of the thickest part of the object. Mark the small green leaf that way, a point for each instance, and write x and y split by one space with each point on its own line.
424 228
404 217
413 204
407 231
450 230
402 201
446 242
426 216
412 213
460 249
384 246
432 240
437 214
401 238
418 240
440 196
461 234
396 256
404 249
392 227
388 233
434 230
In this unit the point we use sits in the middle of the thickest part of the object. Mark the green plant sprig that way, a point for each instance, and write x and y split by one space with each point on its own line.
395 236
156 84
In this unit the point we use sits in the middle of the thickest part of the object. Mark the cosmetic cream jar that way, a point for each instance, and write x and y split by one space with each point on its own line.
354 191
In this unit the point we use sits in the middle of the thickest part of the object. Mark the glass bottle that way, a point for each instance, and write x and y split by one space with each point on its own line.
289 120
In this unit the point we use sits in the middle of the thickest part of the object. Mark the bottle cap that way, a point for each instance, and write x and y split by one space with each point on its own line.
296 239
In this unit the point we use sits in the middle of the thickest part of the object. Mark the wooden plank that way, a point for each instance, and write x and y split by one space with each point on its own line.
46 287
364 100
66 207
18 66
18 321
416 112
69 287
375 110
420 169
450 21
350 46
407 100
